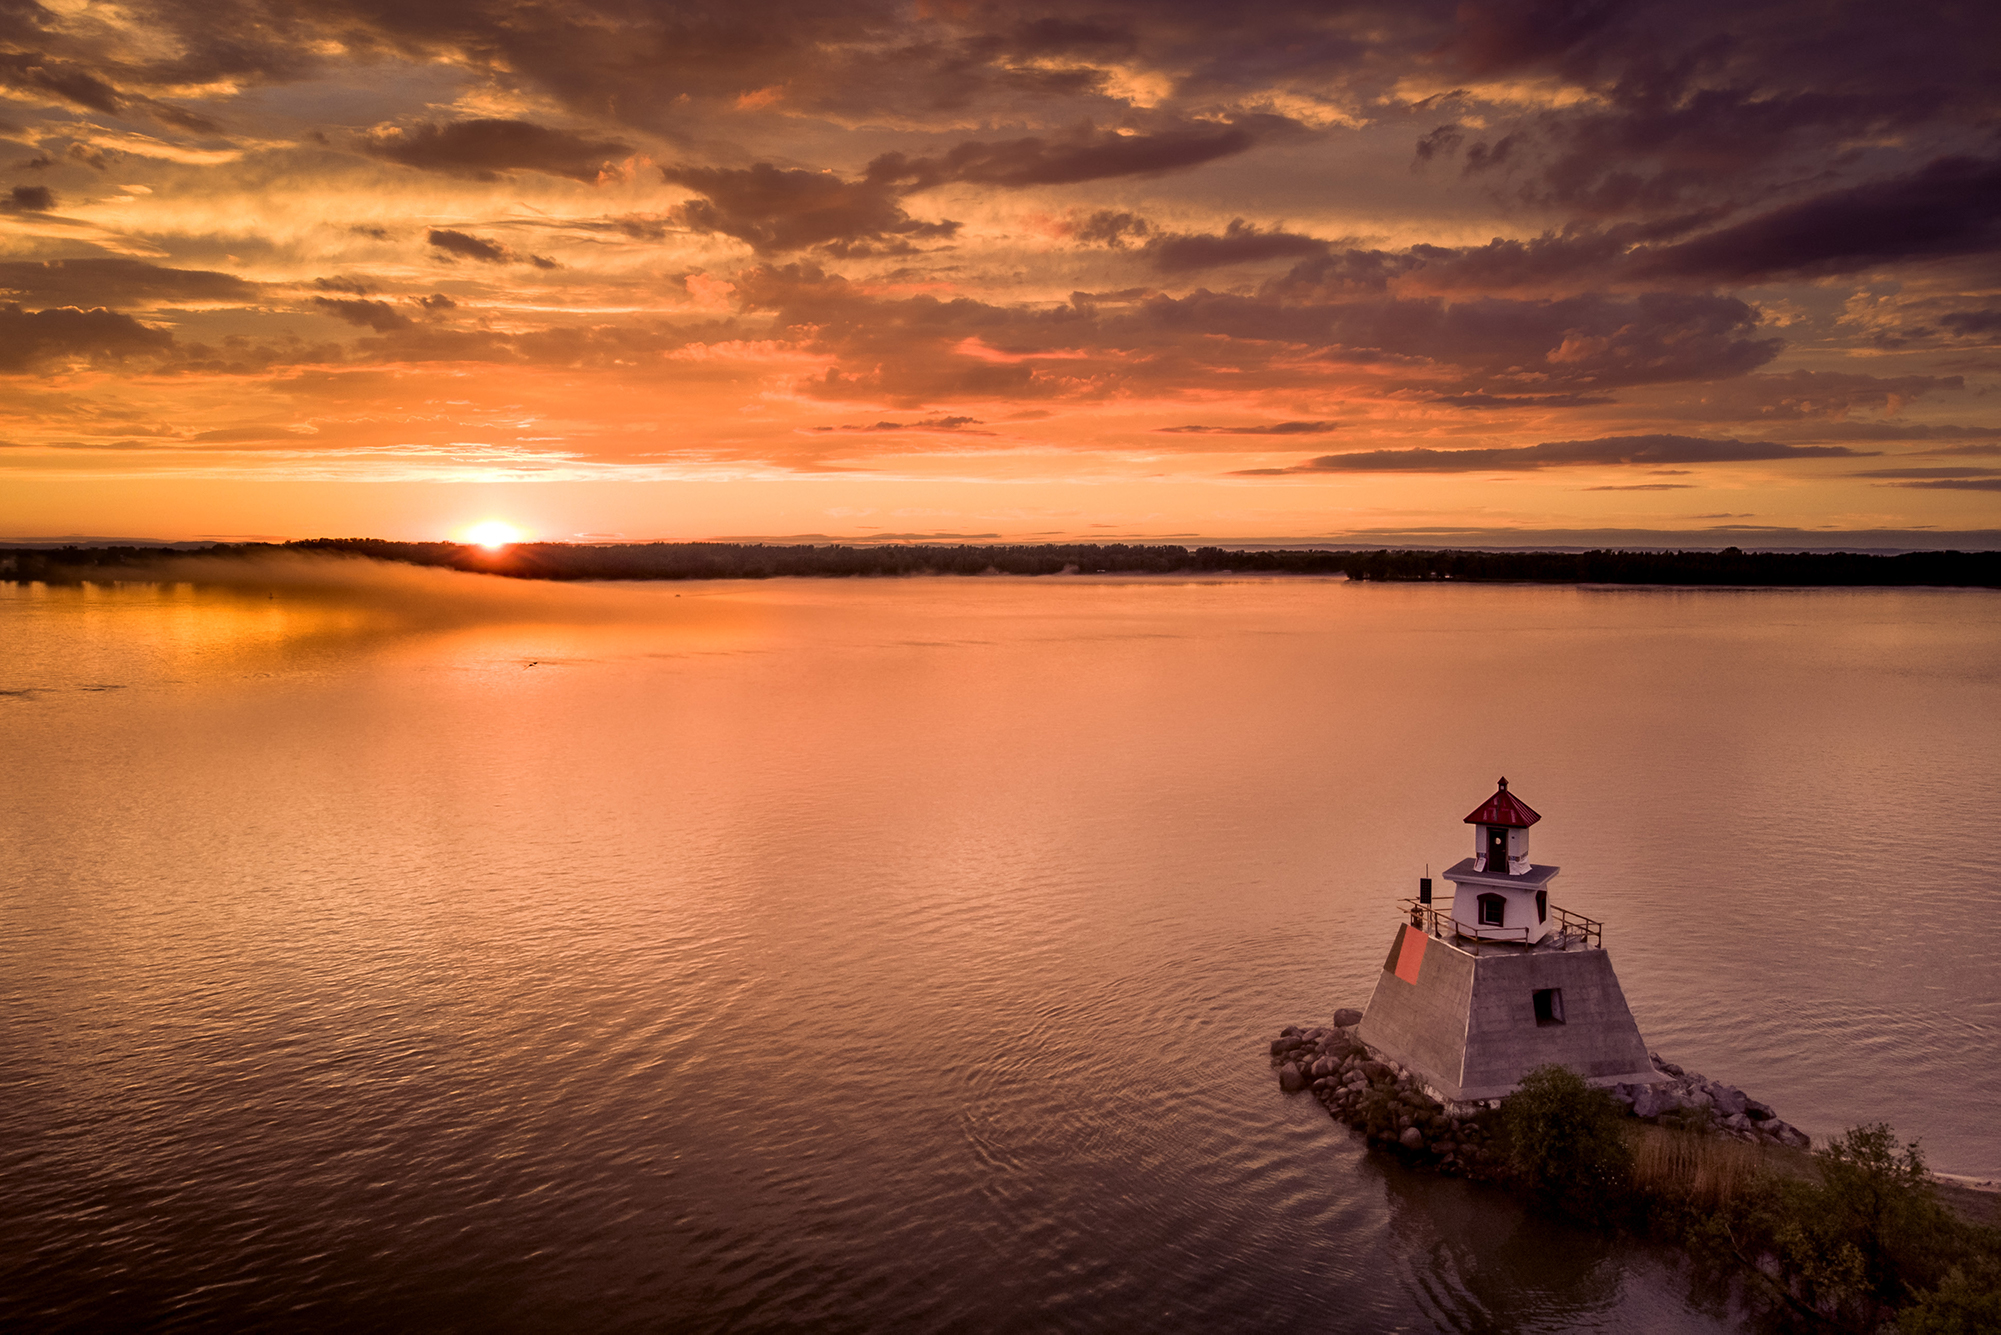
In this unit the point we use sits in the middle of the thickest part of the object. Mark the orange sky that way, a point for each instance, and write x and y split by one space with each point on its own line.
1476 271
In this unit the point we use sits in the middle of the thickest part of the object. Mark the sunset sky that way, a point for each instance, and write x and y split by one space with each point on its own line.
1423 272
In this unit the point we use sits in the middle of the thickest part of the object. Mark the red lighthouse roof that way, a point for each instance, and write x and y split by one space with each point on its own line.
1504 808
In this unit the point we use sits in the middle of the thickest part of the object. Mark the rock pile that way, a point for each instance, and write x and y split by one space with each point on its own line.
1696 1103
1382 1099
1392 1107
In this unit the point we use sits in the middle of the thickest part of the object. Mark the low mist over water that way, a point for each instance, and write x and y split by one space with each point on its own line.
408 947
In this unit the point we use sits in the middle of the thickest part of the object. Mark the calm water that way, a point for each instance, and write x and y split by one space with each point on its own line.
412 949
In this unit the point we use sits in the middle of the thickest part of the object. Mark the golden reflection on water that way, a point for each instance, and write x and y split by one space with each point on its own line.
218 618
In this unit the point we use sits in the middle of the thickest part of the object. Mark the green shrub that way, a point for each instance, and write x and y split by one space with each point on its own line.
1566 1142
1866 1238
1959 1306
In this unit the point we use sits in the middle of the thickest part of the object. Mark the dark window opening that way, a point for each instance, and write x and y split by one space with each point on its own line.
1542 906
1497 849
1549 1006
1493 908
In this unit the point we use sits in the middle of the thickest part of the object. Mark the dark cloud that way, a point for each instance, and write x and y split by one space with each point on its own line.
1523 400
1275 429
1609 450
1056 35
485 148
1587 343
29 199
1111 227
1802 396
641 226
774 209
916 349
956 425
33 339
1951 207
1645 486
1914 474
470 247
33 72
117 283
1973 324
777 209
1239 243
1086 155
1442 140
377 315
437 301
1698 99
1900 430
1953 484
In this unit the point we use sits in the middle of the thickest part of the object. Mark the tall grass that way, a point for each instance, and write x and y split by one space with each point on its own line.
1703 1171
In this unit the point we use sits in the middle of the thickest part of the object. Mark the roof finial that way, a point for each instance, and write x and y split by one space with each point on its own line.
1504 784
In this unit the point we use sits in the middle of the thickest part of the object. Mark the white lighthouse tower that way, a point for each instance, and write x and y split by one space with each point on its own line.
1474 997
1498 895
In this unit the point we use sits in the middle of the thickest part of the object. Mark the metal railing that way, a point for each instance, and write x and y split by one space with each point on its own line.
1578 927
1573 927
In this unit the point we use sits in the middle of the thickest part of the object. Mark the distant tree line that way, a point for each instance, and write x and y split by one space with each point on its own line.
736 560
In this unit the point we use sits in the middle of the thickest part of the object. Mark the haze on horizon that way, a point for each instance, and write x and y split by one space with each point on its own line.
1469 271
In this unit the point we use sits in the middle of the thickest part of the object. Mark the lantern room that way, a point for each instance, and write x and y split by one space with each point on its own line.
1498 894
1501 833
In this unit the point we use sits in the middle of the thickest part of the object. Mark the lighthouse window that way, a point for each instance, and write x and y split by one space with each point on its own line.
1542 906
1492 910
1549 1006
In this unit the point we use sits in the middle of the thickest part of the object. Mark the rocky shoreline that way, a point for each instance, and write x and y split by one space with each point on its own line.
1393 1109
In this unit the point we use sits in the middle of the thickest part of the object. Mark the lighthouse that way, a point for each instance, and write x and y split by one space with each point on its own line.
1476 995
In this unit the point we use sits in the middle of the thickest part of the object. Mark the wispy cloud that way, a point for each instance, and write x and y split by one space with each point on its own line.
1602 452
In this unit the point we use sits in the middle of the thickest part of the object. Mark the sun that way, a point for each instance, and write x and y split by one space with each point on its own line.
493 535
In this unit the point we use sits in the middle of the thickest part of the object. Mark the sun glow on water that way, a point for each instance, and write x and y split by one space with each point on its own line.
493 534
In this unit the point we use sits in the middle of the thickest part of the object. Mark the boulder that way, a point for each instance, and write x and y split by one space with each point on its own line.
1412 1138
1737 1122
1322 1066
1346 1018
1729 1100
1650 1103
1374 1070
1290 1078
1759 1112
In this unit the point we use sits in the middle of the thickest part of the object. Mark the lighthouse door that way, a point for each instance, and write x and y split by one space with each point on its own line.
1497 850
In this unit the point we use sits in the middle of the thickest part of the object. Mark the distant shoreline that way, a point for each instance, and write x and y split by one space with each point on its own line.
725 560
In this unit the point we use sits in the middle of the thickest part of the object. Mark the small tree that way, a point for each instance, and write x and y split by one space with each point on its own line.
1565 1141
1869 1236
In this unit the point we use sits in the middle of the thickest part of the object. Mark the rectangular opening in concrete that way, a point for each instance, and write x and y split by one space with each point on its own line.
1549 1005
